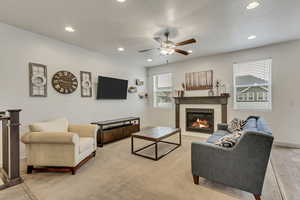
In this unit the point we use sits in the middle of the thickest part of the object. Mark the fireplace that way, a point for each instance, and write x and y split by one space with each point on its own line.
200 120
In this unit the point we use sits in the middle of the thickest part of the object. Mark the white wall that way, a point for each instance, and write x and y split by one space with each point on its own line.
18 48
285 115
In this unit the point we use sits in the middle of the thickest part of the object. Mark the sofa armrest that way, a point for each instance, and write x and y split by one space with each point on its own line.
84 130
206 156
223 127
50 138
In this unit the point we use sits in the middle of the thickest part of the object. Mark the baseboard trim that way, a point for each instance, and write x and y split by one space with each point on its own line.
286 144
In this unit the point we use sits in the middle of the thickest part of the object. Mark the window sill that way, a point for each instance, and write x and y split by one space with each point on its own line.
162 108
252 110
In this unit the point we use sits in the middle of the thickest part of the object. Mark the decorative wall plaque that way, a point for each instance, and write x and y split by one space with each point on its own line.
64 82
199 80
139 82
37 80
86 84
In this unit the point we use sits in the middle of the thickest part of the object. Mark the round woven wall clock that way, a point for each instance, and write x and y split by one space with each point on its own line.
64 82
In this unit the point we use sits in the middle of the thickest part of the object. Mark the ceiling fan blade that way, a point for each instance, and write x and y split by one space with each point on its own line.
145 50
190 41
182 52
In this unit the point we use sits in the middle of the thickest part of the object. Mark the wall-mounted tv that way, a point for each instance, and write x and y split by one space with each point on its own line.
111 88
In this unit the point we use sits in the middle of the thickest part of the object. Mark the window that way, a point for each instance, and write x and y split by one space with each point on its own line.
162 90
253 85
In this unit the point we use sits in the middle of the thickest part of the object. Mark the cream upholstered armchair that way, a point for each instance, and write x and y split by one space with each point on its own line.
57 146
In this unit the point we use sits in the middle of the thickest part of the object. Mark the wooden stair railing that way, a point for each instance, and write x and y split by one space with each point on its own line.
10 173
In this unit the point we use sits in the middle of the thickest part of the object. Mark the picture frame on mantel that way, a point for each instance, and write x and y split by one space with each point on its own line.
37 80
86 84
199 80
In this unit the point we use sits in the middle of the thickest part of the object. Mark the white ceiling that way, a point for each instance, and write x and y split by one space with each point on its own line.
104 25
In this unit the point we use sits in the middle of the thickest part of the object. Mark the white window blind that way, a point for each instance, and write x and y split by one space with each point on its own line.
164 81
253 85
162 90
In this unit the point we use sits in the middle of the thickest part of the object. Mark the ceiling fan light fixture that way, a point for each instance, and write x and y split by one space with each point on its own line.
167 51
167 48
168 45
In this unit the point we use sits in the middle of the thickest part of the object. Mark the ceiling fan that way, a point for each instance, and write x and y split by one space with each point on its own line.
168 47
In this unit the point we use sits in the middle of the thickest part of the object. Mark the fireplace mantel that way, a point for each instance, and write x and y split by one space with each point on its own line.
221 100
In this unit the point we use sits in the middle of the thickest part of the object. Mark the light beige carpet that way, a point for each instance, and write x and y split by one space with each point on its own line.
286 162
116 174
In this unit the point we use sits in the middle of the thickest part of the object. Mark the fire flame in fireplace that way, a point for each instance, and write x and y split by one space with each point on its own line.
200 123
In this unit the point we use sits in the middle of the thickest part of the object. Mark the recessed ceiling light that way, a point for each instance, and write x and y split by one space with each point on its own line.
190 51
149 60
69 29
253 5
121 49
121 1
251 37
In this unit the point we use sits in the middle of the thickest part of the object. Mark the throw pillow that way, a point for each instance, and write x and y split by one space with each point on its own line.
230 140
236 125
58 125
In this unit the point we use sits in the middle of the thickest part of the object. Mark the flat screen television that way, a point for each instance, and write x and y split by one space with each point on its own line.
111 88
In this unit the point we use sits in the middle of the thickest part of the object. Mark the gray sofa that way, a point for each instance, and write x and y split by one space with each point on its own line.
242 166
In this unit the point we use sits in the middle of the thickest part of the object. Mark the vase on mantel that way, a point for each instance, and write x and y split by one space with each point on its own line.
180 93
217 88
211 92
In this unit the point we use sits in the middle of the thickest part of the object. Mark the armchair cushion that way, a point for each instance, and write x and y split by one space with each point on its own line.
57 125
50 138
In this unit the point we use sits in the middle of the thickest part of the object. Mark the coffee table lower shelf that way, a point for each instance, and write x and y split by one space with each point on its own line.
135 152
155 143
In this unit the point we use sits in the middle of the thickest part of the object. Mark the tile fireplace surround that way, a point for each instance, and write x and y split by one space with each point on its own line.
218 104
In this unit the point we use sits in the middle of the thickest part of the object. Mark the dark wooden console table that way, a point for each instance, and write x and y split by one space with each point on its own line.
10 173
113 130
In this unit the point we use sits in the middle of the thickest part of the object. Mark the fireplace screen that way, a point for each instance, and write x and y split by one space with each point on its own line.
200 120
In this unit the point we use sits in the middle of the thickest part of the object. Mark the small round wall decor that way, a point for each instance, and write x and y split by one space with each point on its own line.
64 82
38 80
86 84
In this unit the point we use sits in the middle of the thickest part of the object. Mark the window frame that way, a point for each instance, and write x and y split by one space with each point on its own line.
253 105
155 89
